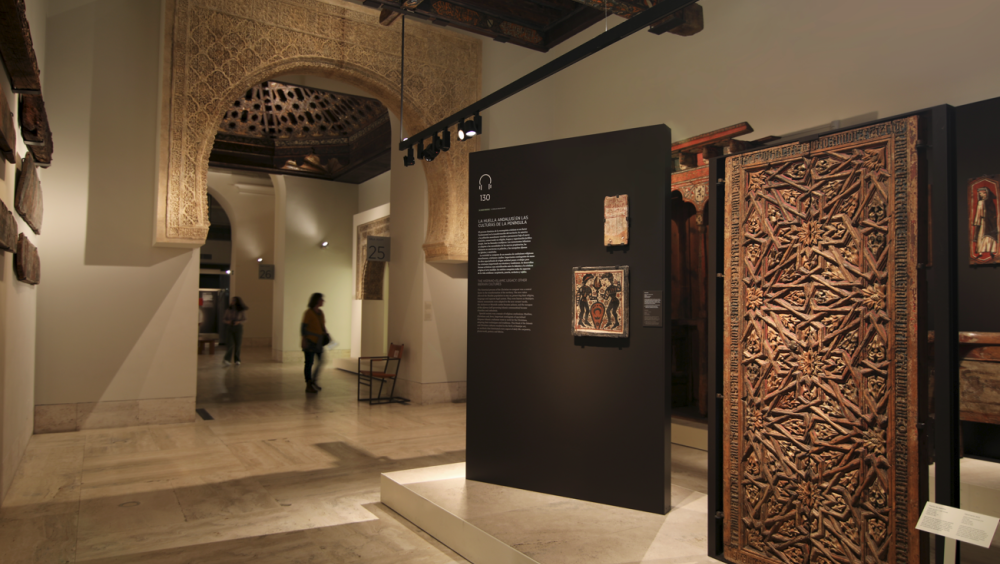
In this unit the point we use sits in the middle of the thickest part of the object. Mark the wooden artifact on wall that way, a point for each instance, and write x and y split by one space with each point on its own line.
600 301
984 220
822 454
616 220
370 274
26 264
8 139
688 288
16 48
28 198
35 128
8 229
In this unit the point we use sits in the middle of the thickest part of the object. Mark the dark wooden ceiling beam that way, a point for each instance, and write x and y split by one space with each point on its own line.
450 13
571 25
388 16
16 48
527 14
689 22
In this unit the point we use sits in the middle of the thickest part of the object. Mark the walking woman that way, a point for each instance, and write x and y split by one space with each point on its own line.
233 319
314 338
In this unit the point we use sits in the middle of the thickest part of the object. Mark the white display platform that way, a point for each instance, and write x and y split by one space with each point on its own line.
490 524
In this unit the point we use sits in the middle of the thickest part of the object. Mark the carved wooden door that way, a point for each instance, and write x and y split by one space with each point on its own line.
821 450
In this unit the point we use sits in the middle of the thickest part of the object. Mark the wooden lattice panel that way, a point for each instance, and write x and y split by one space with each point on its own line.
821 450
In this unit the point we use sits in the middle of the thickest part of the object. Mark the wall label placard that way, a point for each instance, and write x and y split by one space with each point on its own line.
652 308
958 524
265 272
377 249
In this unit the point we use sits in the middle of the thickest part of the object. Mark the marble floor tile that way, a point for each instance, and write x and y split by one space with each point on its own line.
283 548
233 495
146 466
44 538
129 512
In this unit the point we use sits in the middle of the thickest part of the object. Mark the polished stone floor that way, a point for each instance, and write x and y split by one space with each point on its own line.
277 476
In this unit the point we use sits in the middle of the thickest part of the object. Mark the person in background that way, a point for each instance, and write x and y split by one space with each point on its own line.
233 319
314 338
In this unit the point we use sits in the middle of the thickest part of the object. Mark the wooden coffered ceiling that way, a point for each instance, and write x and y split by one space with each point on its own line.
281 128
535 24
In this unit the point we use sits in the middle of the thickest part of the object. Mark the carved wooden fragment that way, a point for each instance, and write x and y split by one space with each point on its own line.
35 128
616 220
8 139
370 275
26 264
16 47
8 229
821 449
28 197
600 301
984 220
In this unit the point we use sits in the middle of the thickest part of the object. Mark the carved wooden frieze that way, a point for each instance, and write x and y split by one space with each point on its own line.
821 448
28 197
16 47
218 49
616 220
370 275
35 128
984 220
692 185
8 229
8 139
26 264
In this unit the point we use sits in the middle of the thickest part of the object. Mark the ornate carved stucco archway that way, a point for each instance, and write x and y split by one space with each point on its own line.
216 50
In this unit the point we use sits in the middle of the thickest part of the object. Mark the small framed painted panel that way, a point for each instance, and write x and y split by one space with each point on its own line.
984 220
600 301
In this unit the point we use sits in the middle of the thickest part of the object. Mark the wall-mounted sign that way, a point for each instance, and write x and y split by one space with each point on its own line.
265 271
652 308
377 249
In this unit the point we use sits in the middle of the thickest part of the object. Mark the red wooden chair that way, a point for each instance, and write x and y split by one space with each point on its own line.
383 375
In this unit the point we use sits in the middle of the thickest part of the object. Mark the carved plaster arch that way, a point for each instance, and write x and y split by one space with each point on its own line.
217 49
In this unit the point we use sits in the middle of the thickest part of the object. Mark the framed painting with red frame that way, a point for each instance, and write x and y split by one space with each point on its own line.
984 220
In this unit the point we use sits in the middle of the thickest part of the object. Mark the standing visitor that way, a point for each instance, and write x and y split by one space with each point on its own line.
314 338
233 319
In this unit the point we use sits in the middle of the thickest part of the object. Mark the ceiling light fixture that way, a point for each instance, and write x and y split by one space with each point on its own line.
324 244
445 140
260 260
408 159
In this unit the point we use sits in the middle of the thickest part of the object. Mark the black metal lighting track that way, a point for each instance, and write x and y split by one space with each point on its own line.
608 38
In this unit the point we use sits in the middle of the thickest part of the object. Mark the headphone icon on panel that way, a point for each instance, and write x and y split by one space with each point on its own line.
489 182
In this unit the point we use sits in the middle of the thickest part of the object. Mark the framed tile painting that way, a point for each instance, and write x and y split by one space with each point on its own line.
600 301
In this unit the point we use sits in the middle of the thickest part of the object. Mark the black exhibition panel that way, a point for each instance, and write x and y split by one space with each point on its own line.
580 417
977 150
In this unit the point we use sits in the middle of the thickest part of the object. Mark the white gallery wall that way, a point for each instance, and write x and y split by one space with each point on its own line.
117 318
782 66
18 301
249 203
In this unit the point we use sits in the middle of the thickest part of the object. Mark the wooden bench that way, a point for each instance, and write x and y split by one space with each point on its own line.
207 338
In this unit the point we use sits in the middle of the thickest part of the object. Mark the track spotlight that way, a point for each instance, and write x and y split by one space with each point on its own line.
445 140
420 150
324 244
260 260
470 127
408 158
432 150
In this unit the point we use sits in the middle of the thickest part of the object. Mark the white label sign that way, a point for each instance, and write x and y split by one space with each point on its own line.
958 524
377 249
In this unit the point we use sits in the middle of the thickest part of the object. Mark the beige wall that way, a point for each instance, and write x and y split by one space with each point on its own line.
116 317
783 66
375 192
18 301
249 203
316 211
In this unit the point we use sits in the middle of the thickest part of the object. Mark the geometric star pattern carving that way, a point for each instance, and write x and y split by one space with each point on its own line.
821 444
